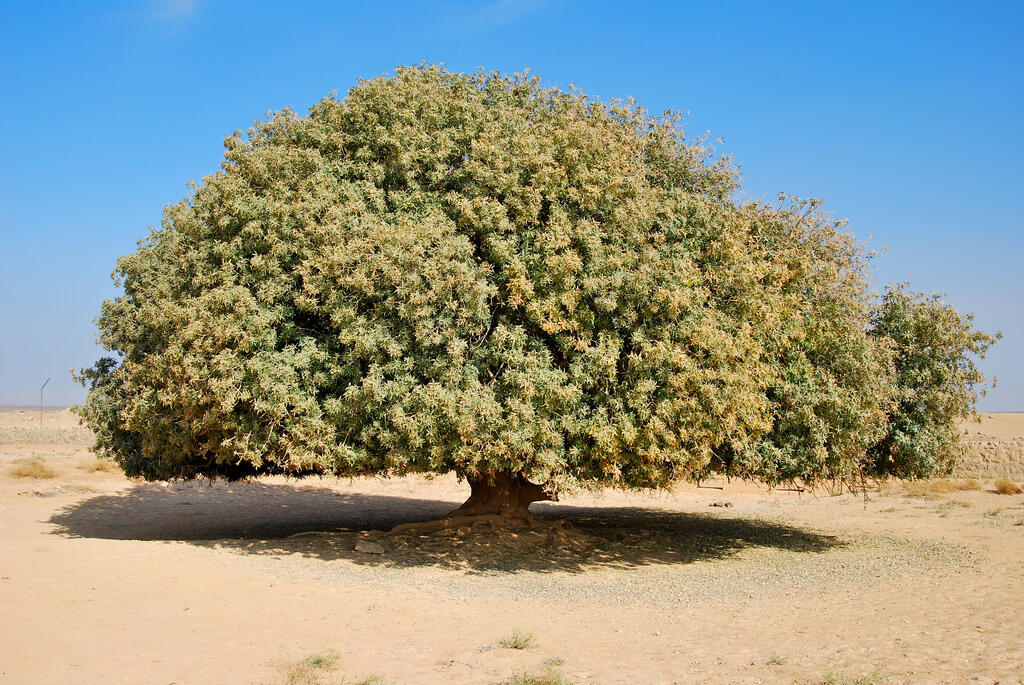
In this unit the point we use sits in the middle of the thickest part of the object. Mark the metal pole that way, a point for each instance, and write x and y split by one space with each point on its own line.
41 407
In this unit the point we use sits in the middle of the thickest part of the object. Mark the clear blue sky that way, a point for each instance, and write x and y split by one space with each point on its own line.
904 117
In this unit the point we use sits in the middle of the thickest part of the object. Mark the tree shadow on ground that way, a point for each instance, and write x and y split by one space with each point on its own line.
324 524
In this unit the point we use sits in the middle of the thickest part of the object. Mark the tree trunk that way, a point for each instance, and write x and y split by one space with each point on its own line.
500 499
503 493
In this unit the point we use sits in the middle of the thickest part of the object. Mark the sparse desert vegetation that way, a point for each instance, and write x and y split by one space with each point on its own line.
548 675
949 505
320 668
875 676
99 465
308 671
1007 487
34 468
518 640
929 487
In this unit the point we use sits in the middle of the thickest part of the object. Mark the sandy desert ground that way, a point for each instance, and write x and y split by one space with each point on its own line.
105 580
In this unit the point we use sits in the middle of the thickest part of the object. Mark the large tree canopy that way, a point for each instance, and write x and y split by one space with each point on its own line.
481 275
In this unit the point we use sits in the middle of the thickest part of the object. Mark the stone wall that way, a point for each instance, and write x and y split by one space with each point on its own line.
992 459
33 435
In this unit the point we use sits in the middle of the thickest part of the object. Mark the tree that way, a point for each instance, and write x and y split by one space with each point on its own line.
829 385
476 274
936 382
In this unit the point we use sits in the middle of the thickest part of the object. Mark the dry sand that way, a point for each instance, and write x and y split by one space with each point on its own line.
995 426
29 417
106 580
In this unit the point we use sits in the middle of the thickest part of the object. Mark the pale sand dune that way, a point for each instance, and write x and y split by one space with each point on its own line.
1000 426
105 580
28 417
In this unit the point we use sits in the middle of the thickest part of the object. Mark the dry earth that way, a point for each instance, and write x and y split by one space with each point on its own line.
107 580
997 426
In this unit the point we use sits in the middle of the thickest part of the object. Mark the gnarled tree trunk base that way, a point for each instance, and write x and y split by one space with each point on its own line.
497 500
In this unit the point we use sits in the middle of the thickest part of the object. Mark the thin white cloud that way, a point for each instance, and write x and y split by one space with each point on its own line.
175 9
173 15
504 12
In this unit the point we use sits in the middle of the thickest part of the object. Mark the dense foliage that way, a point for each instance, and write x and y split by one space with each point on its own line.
934 348
475 273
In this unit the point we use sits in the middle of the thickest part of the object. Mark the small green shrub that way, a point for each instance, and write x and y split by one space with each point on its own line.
326 660
548 676
518 640
307 671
